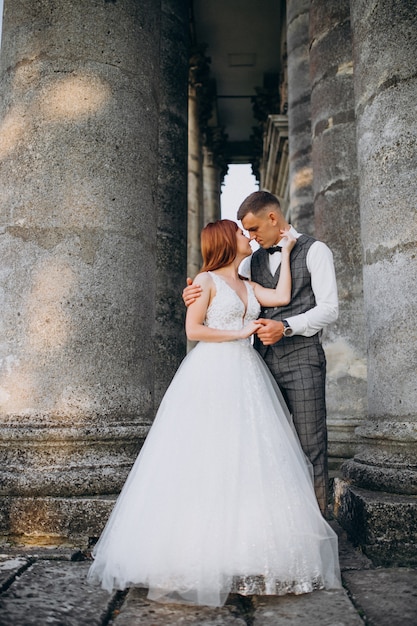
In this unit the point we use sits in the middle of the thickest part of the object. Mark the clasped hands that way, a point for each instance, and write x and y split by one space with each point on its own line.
268 331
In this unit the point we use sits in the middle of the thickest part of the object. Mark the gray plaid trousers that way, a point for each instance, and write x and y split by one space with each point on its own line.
301 374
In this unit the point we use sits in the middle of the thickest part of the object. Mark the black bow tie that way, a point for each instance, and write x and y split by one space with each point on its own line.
274 249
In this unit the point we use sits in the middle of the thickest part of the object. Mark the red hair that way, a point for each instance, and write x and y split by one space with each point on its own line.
218 244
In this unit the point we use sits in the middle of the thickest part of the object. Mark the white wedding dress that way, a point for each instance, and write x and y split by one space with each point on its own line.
220 498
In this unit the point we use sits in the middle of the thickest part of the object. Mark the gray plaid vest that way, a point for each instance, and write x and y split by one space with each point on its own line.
302 296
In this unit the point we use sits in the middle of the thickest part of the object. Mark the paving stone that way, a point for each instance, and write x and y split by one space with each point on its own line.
386 597
41 590
320 608
60 553
10 567
54 592
137 610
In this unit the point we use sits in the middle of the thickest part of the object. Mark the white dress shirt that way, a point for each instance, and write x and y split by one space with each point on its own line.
323 282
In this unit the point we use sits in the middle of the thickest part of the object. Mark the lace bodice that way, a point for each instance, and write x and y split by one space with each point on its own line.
226 310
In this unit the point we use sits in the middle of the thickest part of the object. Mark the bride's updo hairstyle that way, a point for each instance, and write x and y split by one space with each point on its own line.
218 244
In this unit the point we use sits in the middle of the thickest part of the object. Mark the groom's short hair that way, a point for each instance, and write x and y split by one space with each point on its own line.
256 202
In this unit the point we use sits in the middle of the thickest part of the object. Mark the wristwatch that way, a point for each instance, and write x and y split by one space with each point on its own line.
287 329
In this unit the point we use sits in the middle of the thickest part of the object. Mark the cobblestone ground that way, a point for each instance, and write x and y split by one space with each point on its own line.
47 586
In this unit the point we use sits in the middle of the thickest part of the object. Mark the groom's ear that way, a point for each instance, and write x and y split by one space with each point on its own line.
273 217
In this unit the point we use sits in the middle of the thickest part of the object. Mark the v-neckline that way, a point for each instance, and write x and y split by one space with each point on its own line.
245 306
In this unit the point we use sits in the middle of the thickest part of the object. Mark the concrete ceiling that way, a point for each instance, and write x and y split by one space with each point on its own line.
243 45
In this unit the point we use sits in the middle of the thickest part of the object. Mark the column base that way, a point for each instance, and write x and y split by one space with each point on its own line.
53 521
384 525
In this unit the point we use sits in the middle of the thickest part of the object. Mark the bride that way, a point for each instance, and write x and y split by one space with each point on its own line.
220 498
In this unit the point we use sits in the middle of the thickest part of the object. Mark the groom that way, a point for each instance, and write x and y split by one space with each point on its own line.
290 338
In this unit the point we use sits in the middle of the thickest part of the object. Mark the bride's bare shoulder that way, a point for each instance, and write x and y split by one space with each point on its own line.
203 279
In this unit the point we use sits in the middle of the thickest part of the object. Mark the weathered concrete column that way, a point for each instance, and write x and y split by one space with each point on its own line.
378 501
195 183
171 241
337 221
211 187
299 117
274 167
79 149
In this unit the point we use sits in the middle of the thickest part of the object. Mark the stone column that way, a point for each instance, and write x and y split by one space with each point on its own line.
211 187
171 242
301 212
337 221
378 501
195 177
274 165
199 110
79 149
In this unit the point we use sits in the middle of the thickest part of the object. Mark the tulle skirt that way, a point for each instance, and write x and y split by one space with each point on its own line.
220 498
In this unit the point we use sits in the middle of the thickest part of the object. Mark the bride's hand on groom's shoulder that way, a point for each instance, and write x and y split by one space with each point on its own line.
288 240
191 292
